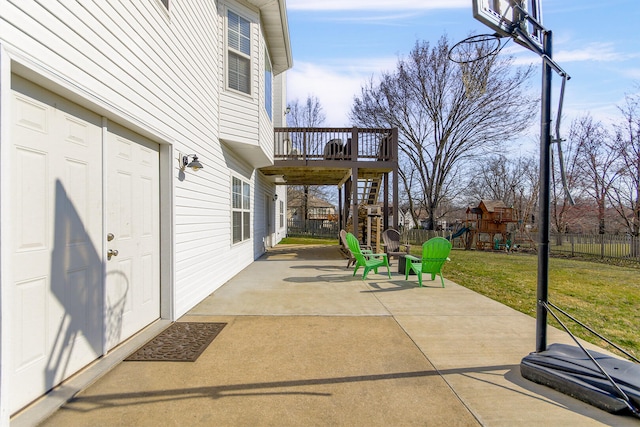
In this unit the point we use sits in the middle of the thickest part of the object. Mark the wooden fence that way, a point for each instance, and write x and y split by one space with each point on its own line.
617 246
313 228
614 246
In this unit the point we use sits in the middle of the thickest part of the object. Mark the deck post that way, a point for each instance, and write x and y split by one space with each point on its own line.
385 205
354 201
340 212
394 159
347 201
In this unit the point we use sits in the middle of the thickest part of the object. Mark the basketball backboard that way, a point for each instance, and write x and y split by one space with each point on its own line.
503 15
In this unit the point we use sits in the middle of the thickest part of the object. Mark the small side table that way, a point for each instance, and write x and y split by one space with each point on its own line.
402 262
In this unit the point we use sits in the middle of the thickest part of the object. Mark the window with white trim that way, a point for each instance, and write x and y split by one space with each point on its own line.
239 52
240 210
281 214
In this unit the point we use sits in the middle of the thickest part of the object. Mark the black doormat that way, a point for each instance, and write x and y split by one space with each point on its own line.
180 342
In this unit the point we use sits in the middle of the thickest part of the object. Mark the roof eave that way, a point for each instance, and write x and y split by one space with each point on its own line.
276 31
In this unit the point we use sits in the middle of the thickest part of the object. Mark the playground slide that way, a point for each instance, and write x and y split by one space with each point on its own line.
458 233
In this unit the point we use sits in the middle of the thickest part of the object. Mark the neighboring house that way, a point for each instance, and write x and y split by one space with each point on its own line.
407 219
404 219
104 231
318 209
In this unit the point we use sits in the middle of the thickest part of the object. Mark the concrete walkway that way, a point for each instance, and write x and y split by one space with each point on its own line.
307 344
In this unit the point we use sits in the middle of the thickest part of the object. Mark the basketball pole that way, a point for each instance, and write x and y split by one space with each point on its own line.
560 366
544 198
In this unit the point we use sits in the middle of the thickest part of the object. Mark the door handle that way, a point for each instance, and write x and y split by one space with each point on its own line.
111 252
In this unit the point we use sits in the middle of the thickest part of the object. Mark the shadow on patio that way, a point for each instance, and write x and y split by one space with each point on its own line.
308 344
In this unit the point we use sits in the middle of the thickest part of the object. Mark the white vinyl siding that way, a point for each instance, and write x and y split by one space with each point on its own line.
279 99
164 72
239 52
160 70
240 112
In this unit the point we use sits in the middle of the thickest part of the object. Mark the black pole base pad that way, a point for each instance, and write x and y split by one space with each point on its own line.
570 371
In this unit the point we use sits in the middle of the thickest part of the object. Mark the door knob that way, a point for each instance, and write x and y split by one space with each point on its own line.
112 252
110 237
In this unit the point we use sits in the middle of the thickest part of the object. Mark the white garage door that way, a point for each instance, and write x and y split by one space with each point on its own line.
64 313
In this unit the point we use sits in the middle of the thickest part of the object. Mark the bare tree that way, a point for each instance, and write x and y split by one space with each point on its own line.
440 127
309 114
515 181
596 161
626 194
561 207
495 179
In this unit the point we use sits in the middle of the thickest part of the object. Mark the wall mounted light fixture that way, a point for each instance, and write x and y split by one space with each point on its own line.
194 164
275 197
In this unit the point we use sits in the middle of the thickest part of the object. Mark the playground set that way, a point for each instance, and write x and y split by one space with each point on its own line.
490 225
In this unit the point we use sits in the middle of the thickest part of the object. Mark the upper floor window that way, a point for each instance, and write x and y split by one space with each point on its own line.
268 85
239 52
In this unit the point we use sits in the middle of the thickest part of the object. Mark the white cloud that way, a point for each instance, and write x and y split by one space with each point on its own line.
362 5
596 52
631 73
380 19
601 52
335 85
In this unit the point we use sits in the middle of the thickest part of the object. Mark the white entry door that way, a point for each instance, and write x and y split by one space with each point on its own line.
56 216
133 230
64 312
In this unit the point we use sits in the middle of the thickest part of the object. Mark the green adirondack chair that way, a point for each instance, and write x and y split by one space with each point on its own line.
369 261
435 252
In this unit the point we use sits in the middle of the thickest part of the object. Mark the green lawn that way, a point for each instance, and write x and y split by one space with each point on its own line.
308 241
604 297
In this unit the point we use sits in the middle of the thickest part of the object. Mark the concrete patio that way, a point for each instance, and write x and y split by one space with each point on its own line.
307 344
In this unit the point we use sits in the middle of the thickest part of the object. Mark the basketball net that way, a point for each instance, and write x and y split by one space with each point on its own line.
475 76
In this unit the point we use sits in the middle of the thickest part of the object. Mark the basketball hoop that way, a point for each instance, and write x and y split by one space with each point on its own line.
476 55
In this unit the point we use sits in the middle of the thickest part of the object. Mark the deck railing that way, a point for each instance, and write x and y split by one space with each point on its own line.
335 144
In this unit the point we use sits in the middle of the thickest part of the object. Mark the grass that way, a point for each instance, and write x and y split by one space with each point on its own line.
308 241
604 297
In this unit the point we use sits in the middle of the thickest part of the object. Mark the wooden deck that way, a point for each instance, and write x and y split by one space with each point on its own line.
328 156
358 161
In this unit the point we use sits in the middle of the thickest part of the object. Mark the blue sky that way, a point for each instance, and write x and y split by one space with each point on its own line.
339 44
